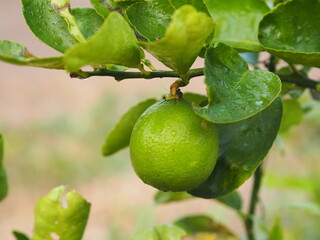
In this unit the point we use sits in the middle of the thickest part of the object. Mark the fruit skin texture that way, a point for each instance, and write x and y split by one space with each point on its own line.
172 148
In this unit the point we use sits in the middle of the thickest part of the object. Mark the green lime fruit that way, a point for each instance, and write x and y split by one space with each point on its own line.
172 148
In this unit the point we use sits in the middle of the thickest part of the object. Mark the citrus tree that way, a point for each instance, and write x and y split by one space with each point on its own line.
186 145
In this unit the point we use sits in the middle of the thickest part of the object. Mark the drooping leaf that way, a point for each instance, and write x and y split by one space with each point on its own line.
183 39
292 114
237 22
162 232
232 200
151 18
119 137
291 31
276 232
198 4
167 197
15 53
243 145
88 20
20 236
114 43
3 175
47 25
201 223
63 217
235 92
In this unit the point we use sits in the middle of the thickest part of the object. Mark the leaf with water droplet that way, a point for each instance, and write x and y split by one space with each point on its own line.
235 93
47 25
237 22
243 146
291 31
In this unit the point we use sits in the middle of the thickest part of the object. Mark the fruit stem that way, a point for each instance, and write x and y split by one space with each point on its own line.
175 92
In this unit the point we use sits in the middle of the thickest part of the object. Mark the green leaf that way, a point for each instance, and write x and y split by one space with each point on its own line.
47 25
183 39
237 22
60 216
3 175
15 53
119 137
232 200
276 232
150 19
291 31
167 197
235 93
162 232
198 4
196 99
101 7
114 43
201 223
292 114
243 145
20 236
88 21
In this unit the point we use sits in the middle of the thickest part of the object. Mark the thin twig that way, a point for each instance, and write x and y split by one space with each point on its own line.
249 221
294 78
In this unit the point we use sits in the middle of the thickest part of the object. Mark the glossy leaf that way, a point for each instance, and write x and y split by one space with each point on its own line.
292 114
235 93
20 236
15 53
119 137
291 31
47 25
3 175
88 21
162 232
232 200
243 145
198 4
237 22
201 223
61 216
114 43
183 39
167 197
150 19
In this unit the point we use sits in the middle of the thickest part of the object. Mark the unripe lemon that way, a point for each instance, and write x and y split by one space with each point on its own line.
172 148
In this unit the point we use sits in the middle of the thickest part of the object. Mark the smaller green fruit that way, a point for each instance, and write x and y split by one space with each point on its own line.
172 148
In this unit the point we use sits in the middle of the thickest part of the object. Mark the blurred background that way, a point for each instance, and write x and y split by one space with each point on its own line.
54 127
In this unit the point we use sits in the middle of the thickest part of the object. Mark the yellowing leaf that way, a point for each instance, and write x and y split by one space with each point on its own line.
114 43
183 39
